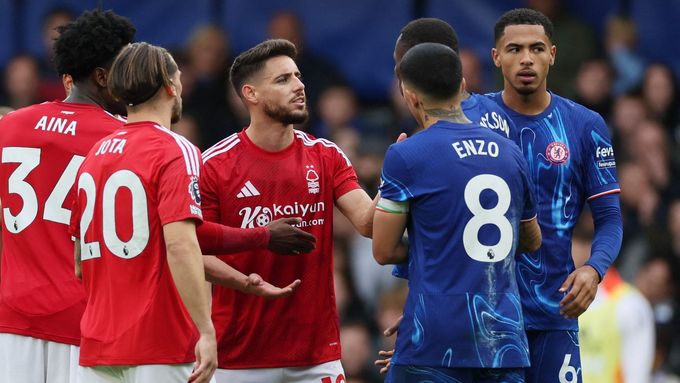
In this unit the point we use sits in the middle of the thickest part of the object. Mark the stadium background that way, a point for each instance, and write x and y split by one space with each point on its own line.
618 57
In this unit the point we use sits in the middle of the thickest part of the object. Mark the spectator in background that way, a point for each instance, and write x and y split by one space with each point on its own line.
357 348
662 373
50 82
338 110
620 43
639 205
567 31
22 80
627 114
674 227
319 73
655 280
205 73
593 86
616 334
660 93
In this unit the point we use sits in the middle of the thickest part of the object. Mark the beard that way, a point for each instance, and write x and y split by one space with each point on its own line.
285 116
176 111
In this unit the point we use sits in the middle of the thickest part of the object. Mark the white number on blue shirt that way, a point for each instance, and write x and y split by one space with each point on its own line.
481 216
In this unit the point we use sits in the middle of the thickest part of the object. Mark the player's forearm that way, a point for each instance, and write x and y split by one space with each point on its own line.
391 255
220 239
186 265
608 234
529 236
222 274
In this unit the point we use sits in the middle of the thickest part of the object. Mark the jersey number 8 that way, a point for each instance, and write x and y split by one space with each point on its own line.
482 216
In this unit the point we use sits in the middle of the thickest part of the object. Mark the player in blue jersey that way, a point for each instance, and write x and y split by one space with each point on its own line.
570 157
477 108
463 194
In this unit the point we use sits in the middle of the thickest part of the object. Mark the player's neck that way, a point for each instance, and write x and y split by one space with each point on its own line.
150 115
270 136
432 114
81 94
528 104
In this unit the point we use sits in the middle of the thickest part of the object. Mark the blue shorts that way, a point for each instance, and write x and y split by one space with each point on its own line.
555 357
416 374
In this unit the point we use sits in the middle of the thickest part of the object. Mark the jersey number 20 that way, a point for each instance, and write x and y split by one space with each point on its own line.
140 216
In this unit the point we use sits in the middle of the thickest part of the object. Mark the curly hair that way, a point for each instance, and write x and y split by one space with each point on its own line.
523 16
93 40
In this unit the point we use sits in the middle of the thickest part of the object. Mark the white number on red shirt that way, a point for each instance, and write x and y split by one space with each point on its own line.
29 159
140 216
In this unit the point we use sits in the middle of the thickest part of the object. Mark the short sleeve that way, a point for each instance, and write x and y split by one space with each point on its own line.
395 177
599 162
210 193
179 195
344 177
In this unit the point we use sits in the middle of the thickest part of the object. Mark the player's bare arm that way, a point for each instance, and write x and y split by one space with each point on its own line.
358 207
529 235
186 265
389 227
219 272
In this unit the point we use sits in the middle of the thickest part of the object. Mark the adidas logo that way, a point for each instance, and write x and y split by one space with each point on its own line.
248 190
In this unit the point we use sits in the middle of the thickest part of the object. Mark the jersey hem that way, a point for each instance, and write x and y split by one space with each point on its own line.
42 336
131 362
237 366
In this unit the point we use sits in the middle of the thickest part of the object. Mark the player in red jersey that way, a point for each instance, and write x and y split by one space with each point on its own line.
147 317
268 171
41 301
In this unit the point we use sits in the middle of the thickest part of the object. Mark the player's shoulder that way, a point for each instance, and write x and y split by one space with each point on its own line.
575 111
222 150
320 145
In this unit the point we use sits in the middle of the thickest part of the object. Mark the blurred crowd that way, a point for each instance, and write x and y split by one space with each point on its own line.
638 99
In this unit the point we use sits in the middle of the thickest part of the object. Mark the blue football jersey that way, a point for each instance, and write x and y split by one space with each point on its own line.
570 157
467 189
485 112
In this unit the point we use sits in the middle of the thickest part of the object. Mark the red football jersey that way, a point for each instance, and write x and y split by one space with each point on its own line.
42 147
245 186
132 183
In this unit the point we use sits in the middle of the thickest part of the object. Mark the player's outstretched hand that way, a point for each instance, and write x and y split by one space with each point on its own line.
582 286
258 286
206 359
385 362
284 238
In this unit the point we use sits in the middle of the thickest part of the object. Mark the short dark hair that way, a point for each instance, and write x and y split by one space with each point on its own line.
252 61
92 40
523 16
433 69
428 30
139 71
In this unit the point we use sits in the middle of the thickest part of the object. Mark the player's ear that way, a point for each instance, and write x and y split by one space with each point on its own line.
495 57
462 86
411 97
553 52
249 93
100 76
170 89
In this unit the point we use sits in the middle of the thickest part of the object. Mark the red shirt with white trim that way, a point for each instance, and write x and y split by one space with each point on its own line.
131 184
246 186
42 147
